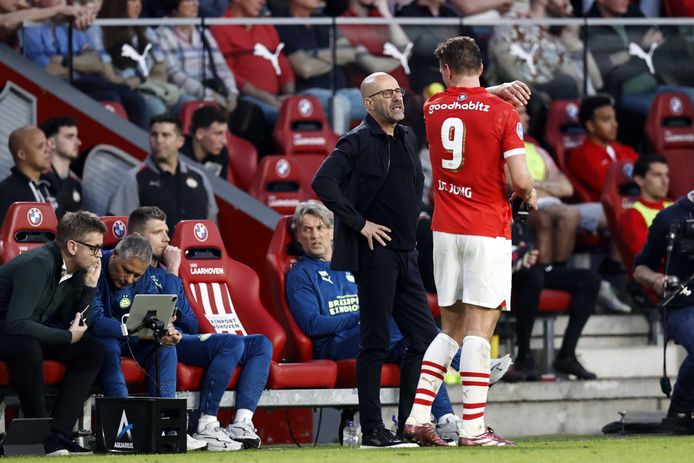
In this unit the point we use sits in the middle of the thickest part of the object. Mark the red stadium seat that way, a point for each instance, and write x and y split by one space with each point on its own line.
243 161
116 229
224 294
614 203
563 132
281 256
26 226
302 127
53 373
279 183
670 132
116 108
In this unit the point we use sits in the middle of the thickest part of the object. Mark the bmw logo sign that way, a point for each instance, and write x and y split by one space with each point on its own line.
200 232
305 107
119 229
572 111
35 217
676 105
283 168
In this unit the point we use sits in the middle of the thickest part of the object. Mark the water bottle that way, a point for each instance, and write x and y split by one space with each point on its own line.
350 435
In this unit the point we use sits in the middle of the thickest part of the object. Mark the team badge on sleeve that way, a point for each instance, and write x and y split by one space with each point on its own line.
519 130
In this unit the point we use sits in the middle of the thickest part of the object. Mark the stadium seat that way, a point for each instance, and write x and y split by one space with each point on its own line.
116 108
26 226
53 373
670 132
224 294
116 229
614 201
243 161
103 172
308 165
279 183
303 128
282 253
563 132
552 302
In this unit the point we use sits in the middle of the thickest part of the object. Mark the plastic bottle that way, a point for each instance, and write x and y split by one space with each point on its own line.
350 435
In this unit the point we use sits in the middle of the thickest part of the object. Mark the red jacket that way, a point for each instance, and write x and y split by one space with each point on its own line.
589 163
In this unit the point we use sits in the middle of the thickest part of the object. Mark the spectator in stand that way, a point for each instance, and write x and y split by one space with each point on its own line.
56 280
379 48
589 162
174 185
254 54
528 282
311 56
651 176
637 62
218 353
63 143
14 13
325 305
47 46
194 62
31 158
470 7
650 8
132 56
207 140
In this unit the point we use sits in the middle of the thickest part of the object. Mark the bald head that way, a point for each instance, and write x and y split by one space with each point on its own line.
29 151
376 82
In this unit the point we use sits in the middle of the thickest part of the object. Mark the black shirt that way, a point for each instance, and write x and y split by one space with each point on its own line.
18 187
67 191
396 205
31 292
654 251
217 164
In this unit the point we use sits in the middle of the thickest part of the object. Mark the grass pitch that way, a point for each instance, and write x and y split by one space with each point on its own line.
563 449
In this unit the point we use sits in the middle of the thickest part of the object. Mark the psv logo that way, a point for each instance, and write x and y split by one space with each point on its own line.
200 232
119 229
35 217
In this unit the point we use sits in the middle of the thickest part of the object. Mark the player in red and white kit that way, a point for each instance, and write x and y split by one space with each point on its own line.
472 135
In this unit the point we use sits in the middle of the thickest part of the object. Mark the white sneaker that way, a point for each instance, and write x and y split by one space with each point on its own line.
217 440
448 430
609 300
244 432
194 444
498 368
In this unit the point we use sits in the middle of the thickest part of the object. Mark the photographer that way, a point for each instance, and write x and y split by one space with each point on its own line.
670 240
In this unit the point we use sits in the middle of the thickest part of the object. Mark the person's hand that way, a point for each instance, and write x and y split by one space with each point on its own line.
77 330
171 258
383 8
133 82
172 338
530 199
91 276
373 231
659 284
219 99
505 7
517 93
530 258
653 36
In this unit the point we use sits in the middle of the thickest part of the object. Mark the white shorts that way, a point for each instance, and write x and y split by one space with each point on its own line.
472 269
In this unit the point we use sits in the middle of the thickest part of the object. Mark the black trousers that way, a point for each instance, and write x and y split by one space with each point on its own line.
25 357
583 285
389 284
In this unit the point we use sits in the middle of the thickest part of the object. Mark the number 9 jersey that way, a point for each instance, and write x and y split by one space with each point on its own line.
470 133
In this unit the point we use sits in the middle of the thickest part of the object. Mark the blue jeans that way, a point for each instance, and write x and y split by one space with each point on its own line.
641 102
349 104
347 347
680 328
219 354
111 376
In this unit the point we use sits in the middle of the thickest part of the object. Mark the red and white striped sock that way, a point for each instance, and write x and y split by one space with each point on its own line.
474 374
437 358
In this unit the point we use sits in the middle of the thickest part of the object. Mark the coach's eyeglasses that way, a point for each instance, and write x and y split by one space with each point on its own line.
94 248
389 92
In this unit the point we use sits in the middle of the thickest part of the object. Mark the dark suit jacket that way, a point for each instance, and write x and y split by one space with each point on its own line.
351 176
